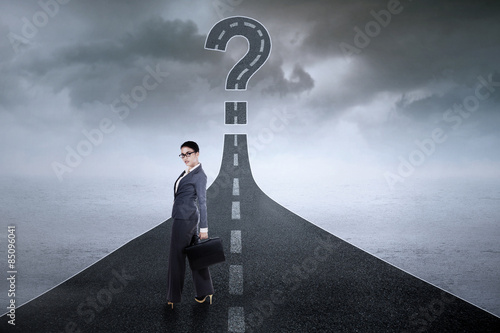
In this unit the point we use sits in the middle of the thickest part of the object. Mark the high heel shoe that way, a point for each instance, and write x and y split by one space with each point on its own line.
202 299
172 304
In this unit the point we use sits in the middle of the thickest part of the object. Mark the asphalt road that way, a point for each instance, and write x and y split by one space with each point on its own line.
282 274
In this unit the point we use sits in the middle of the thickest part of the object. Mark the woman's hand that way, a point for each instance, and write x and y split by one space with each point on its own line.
203 235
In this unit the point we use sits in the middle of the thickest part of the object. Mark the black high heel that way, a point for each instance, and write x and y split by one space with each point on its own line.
202 299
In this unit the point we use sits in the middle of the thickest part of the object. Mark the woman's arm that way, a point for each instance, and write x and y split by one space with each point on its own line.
201 193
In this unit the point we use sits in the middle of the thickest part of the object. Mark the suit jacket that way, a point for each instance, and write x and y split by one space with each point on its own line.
190 201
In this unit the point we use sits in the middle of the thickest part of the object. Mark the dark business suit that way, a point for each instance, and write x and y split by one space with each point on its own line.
189 210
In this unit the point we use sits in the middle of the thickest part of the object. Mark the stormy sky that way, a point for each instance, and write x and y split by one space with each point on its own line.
378 89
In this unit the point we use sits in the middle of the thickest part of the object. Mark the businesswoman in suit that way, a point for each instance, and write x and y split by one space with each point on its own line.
189 211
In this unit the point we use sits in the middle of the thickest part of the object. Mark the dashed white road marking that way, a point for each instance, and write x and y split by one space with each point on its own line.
242 73
236 279
236 320
236 186
236 315
248 24
235 210
255 60
235 241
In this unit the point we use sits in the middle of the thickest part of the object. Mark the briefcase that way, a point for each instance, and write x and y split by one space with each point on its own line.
205 253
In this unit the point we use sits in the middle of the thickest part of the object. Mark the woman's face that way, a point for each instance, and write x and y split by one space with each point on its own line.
189 156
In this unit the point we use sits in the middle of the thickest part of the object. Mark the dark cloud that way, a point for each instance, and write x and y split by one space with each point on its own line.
421 41
174 40
299 81
100 69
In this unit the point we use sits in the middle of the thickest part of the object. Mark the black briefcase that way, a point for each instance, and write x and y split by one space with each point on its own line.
205 253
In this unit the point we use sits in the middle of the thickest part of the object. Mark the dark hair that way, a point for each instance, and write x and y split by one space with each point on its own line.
191 144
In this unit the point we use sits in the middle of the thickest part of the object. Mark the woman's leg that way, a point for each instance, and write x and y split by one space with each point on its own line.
182 231
202 280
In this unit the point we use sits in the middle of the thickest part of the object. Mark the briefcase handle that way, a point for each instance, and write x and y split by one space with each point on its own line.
196 240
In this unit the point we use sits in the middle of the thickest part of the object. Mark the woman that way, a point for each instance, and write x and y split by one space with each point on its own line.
189 208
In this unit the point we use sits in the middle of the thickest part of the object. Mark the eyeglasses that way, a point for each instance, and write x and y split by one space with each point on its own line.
186 154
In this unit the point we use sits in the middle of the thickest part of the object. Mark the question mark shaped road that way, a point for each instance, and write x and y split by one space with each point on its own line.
258 50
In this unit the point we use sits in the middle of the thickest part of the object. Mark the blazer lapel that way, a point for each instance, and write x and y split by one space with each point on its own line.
187 176
182 174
